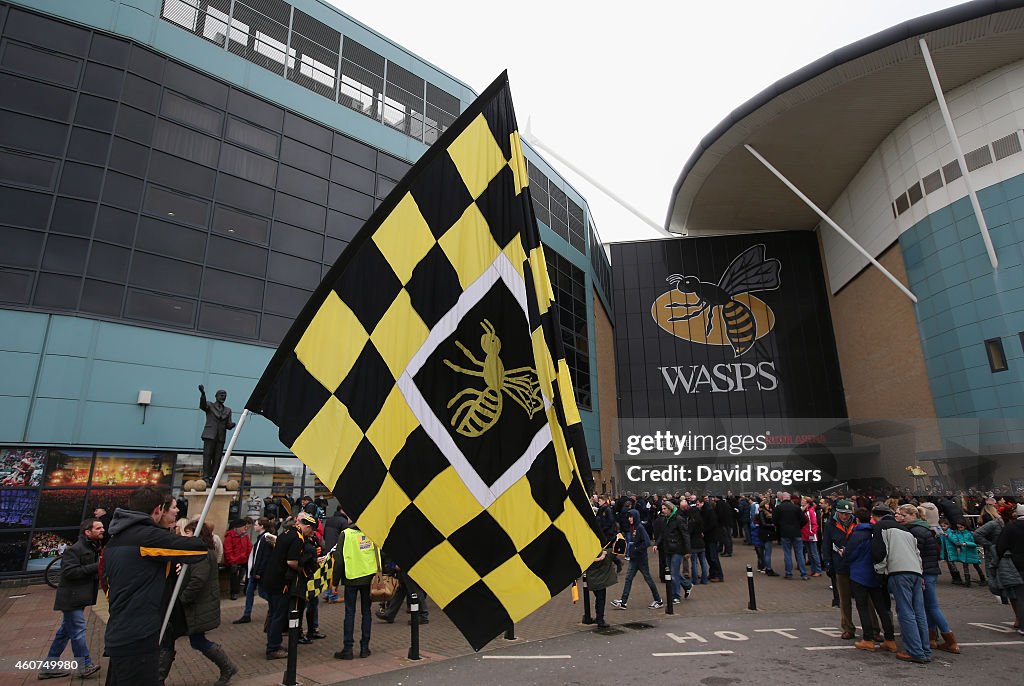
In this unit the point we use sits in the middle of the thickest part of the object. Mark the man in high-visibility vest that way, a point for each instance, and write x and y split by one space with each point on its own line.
354 566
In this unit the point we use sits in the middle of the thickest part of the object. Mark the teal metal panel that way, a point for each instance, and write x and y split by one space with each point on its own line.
52 421
70 336
61 376
150 347
120 424
239 359
260 435
19 373
13 418
119 382
23 331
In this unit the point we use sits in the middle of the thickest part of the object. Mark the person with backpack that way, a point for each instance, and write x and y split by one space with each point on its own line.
897 558
636 553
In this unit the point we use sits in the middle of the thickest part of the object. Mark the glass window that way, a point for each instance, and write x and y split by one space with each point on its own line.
224 320
24 208
160 273
100 297
27 170
996 355
333 250
295 241
97 113
343 226
61 507
362 79
392 167
123 191
65 254
285 300
240 225
273 329
135 124
146 63
303 156
129 157
300 212
33 97
180 208
303 185
292 271
115 226
31 134
171 240
152 307
245 195
141 93
180 175
352 175
186 143
236 256
350 202
57 291
249 165
21 247
43 64
192 113
81 180
253 137
109 50
88 146
47 33
15 287
109 262
102 80
232 289
306 131
256 110
195 85
73 216
354 151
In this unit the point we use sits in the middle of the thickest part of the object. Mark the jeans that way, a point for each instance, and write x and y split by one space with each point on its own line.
251 589
71 629
277 618
200 642
767 543
363 595
698 558
789 547
725 533
599 598
638 563
931 605
908 592
812 552
235 579
675 564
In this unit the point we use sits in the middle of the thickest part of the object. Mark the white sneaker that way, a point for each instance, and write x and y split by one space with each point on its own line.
675 601
657 604
618 604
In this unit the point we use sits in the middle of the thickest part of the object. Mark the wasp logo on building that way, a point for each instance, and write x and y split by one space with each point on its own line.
724 313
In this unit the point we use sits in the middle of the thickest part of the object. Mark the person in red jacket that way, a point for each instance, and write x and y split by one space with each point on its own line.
237 547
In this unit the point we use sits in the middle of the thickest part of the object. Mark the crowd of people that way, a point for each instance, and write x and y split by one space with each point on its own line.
876 552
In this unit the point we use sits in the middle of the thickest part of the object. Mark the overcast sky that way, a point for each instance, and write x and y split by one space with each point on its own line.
626 91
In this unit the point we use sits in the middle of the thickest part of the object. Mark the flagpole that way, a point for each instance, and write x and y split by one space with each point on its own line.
202 516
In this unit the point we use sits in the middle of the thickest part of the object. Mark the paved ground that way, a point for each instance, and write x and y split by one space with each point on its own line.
29 623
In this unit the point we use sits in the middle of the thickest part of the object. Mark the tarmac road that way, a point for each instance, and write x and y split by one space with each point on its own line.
730 650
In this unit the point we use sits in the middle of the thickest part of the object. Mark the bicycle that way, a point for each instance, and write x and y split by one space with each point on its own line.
53 571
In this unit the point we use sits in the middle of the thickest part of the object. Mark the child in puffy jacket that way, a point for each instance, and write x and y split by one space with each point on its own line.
967 551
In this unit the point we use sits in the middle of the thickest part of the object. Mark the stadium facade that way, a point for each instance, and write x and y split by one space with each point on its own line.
175 178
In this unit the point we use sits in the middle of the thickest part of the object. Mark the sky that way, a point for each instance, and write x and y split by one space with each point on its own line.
626 91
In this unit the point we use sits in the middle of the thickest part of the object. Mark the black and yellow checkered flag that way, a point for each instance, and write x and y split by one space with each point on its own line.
321 580
425 380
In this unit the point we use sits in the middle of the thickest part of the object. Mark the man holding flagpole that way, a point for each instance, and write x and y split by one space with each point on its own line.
136 563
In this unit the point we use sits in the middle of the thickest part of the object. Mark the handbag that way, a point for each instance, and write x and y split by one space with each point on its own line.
383 586
1007 572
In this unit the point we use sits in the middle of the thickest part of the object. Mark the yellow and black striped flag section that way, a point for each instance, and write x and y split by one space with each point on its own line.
321 580
425 381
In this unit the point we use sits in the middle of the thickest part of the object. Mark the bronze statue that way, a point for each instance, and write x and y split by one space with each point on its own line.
218 421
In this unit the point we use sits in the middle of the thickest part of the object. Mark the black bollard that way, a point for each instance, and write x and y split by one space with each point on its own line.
752 605
510 633
587 619
414 610
293 644
669 598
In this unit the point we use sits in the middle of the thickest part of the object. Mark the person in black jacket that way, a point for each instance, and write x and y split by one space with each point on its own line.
79 586
711 535
789 520
136 571
1011 541
726 521
258 557
674 542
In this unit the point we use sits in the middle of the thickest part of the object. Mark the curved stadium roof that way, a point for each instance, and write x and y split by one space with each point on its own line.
819 125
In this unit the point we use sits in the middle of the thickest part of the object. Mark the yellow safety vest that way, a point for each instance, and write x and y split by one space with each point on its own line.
359 555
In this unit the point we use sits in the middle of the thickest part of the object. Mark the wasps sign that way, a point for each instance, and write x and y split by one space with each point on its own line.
725 313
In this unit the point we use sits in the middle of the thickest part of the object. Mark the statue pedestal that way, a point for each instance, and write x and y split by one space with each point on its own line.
218 514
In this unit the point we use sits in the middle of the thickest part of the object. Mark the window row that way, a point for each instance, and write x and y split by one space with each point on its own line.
289 42
556 210
569 285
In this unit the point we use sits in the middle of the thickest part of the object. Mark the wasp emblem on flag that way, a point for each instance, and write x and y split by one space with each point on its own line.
482 409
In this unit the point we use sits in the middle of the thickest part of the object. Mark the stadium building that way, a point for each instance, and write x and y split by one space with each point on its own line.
175 178
931 395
